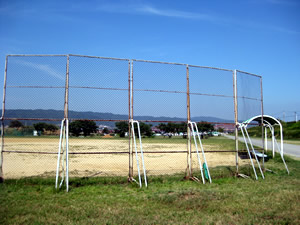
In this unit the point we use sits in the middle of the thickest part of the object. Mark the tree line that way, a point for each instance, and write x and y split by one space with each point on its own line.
87 127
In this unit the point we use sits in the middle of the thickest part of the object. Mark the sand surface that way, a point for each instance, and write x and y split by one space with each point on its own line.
17 165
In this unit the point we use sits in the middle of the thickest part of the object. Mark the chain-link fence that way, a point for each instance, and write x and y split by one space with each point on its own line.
99 96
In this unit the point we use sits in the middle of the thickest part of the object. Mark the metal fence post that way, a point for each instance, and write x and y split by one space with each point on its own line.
2 121
189 155
66 117
262 119
236 121
131 118
130 172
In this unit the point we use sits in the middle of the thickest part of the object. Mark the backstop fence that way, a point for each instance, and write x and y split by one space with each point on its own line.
41 91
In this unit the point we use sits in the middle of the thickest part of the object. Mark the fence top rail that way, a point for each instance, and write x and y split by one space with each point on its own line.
152 61
124 59
35 55
209 67
57 55
252 74
98 57
181 64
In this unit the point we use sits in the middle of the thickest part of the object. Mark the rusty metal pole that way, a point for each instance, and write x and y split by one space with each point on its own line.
2 121
236 121
66 117
262 127
189 154
129 117
66 106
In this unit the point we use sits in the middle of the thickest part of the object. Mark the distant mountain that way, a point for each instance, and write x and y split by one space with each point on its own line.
59 114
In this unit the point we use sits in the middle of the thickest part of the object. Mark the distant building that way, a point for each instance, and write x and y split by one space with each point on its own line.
229 128
155 130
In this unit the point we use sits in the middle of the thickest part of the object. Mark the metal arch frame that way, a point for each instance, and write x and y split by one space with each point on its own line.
263 120
277 122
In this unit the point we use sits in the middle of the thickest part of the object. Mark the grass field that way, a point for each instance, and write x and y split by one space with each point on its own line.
167 200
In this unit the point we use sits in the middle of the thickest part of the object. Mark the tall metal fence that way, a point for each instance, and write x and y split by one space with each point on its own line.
43 90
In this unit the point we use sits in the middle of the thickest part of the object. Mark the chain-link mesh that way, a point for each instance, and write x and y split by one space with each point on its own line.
104 93
249 95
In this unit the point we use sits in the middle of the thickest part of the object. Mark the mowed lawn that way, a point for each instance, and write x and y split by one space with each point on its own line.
167 200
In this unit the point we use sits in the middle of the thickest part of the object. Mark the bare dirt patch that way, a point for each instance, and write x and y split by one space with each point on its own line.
23 164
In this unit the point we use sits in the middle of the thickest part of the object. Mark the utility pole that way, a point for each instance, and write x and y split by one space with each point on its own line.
296 118
283 118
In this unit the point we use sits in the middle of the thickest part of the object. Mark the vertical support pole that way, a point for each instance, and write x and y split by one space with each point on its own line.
142 154
249 154
59 152
235 100
66 117
136 154
129 117
189 146
2 121
266 139
262 123
67 155
273 142
196 146
253 151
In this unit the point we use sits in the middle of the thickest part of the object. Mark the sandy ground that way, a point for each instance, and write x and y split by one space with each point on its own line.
17 165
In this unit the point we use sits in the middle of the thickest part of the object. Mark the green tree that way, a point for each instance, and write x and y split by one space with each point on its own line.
145 129
82 126
105 130
51 127
220 129
16 124
205 127
122 128
173 127
41 126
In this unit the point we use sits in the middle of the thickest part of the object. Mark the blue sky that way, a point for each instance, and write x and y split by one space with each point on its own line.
258 36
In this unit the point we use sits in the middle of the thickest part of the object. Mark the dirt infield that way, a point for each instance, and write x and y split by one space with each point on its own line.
17 165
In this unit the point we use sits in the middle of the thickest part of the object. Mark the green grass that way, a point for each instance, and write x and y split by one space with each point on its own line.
167 200
291 131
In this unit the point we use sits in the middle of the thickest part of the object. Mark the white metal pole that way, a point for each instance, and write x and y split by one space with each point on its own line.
203 154
262 174
273 141
199 160
59 152
142 155
281 139
241 126
63 159
67 154
266 139
136 154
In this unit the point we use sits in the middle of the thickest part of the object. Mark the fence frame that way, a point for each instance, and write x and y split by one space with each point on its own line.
131 91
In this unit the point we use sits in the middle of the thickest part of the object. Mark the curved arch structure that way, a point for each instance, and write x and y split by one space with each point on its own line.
267 122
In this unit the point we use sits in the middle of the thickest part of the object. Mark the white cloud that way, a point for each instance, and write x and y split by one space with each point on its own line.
173 13
44 68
